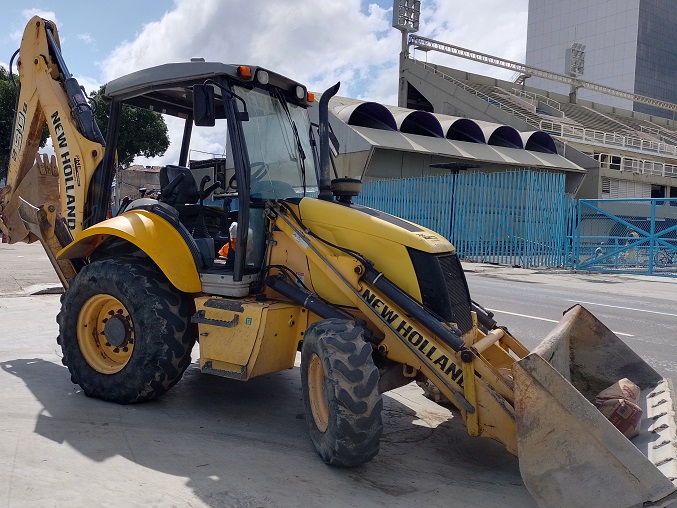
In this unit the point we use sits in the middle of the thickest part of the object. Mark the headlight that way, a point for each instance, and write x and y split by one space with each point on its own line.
262 77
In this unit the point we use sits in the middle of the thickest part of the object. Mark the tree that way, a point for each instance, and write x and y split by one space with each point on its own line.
142 132
7 105
8 94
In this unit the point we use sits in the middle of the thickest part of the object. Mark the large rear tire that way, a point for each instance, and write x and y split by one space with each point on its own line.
340 393
125 331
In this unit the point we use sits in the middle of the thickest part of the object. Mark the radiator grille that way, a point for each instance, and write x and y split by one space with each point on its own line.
443 287
457 289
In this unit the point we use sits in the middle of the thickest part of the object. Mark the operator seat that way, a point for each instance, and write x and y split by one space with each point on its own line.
184 191
179 189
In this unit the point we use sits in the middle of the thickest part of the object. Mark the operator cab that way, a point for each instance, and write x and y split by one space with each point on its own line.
270 155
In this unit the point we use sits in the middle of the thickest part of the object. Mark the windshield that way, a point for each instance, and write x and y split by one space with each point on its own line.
278 143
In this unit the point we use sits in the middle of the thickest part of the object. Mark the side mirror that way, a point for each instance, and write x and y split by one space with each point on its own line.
204 108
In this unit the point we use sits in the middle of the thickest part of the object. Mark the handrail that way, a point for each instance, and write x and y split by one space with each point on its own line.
431 44
638 166
468 88
574 132
565 130
537 96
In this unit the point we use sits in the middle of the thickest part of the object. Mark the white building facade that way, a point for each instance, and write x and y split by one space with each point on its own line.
629 44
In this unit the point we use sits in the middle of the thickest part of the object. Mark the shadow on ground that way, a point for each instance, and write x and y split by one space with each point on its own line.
246 444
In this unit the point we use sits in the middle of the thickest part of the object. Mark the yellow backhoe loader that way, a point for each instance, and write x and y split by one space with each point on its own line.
371 301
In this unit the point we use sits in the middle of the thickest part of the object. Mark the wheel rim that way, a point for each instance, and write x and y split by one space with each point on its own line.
105 334
318 402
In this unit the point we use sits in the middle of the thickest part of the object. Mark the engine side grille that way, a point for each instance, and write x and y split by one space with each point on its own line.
443 287
457 288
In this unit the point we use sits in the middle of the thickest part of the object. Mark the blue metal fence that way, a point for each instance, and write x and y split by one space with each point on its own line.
516 217
626 236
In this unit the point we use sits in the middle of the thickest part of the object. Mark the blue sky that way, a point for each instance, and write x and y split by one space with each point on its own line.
87 35
102 40
314 41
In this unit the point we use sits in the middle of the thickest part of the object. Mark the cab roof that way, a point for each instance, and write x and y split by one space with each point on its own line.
167 88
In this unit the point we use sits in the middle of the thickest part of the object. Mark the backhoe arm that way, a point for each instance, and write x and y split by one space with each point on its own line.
48 200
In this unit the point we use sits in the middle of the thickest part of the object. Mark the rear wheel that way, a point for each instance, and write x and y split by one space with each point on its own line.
340 392
125 331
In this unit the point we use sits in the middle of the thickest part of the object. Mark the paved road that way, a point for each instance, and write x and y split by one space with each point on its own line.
217 442
644 319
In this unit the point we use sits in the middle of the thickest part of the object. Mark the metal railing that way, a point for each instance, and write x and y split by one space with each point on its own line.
531 96
637 166
641 240
577 133
659 134
470 89
430 44
515 217
564 130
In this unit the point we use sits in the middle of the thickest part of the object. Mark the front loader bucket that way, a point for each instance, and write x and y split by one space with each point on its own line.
570 455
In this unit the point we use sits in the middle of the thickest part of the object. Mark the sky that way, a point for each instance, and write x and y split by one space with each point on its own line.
317 42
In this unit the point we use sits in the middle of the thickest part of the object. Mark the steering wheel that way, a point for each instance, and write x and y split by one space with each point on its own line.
257 174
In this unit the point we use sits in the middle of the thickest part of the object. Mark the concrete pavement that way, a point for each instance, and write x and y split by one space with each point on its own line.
209 441
217 442
619 284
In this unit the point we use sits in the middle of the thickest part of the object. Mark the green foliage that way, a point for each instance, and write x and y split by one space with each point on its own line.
7 107
141 132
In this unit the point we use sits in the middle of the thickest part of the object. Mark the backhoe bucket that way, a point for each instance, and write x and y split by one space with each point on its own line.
570 455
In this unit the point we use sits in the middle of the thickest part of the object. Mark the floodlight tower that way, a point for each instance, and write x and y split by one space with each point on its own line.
574 65
406 14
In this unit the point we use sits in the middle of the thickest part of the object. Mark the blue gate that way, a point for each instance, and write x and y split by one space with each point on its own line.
516 217
626 236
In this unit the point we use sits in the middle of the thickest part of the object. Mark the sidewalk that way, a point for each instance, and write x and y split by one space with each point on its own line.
620 284
25 269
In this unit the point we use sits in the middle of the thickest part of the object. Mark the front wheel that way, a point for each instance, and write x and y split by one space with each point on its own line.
125 331
340 393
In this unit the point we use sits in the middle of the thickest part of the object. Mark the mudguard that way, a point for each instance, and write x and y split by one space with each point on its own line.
154 235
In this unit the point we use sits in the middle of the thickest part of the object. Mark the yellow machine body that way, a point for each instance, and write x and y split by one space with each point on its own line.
241 339
537 403
358 263
152 235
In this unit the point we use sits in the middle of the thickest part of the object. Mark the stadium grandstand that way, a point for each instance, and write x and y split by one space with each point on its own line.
636 152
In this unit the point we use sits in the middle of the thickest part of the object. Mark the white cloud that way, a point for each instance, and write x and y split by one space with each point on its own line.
298 39
314 42
26 15
29 13
494 27
321 42
86 38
